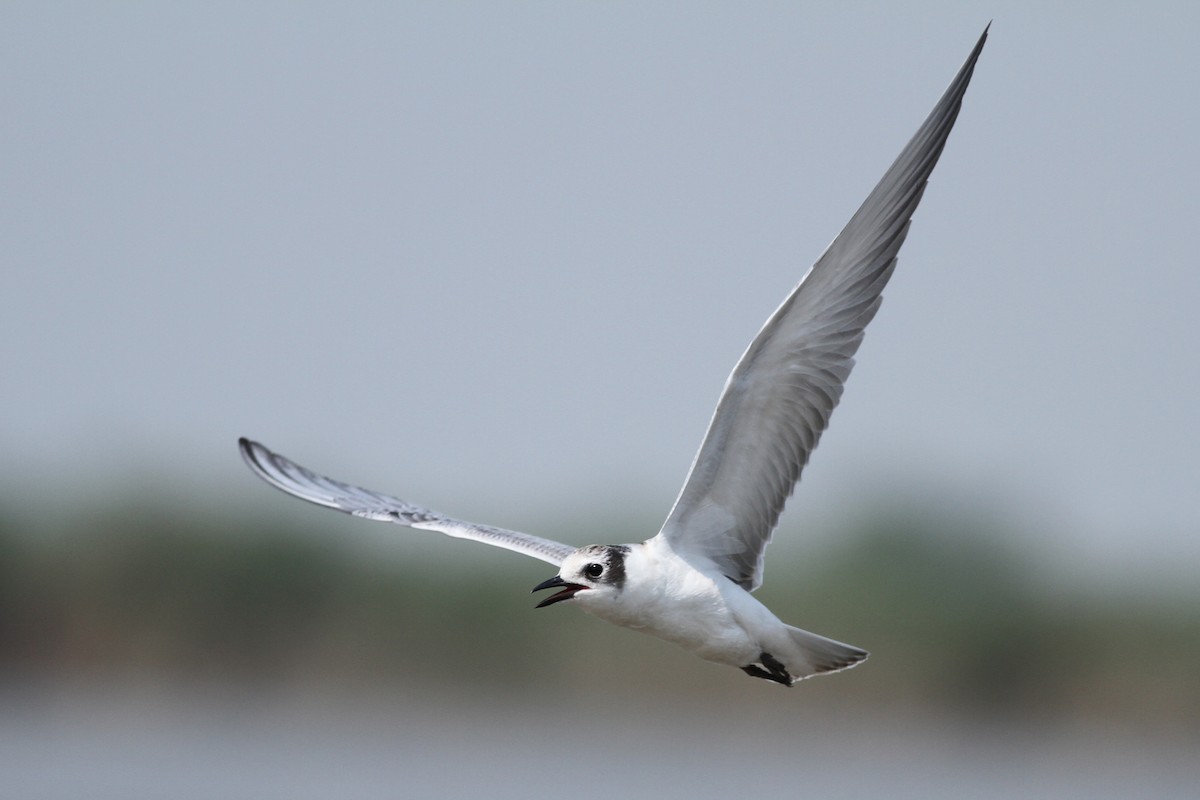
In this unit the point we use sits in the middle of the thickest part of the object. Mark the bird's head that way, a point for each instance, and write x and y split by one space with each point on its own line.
597 570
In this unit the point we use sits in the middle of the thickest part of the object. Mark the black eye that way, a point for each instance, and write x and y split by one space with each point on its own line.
594 570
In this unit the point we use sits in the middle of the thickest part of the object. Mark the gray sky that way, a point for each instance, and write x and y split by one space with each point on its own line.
500 259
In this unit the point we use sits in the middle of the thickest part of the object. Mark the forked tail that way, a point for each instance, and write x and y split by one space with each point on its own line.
813 655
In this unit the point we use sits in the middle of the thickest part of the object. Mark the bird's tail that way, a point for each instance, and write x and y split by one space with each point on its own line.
812 654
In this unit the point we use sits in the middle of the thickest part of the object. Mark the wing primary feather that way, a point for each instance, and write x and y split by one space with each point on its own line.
288 476
779 397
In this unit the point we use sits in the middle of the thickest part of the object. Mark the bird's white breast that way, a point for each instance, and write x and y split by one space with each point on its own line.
667 597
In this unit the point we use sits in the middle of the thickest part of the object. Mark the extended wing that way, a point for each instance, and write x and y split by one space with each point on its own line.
779 397
307 485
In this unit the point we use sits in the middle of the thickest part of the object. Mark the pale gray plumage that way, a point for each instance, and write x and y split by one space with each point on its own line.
296 480
779 397
691 583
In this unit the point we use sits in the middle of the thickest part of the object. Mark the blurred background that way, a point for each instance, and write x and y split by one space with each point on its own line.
499 259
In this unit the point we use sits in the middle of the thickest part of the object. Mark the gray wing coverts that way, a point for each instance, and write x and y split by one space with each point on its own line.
296 480
778 399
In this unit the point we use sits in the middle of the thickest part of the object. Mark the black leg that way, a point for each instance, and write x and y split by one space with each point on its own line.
775 666
775 671
755 671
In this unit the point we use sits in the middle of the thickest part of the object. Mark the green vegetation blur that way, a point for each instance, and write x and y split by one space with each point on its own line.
957 620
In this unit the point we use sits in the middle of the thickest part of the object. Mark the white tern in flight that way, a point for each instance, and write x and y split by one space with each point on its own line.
690 584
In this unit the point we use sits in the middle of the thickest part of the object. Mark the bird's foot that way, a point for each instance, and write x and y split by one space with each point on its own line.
774 669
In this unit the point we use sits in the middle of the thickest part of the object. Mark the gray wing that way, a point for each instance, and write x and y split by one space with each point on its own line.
779 397
307 485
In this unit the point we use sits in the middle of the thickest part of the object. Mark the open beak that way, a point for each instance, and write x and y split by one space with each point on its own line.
568 590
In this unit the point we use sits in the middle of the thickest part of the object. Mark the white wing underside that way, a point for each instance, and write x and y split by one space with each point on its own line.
294 479
779 397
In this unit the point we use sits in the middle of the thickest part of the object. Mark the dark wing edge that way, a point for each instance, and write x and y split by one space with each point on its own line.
288 476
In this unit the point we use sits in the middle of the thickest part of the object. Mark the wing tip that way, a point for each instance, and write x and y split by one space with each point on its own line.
983 37
978 48
251 452
266 464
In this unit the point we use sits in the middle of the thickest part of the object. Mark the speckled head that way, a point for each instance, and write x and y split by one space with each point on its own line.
596 567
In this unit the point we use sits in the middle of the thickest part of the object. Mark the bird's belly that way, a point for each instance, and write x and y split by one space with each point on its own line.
698 621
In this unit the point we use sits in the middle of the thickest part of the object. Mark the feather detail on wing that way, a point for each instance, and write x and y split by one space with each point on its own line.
294 479
778 399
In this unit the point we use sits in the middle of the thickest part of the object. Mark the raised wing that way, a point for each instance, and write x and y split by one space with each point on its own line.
779 397
308 485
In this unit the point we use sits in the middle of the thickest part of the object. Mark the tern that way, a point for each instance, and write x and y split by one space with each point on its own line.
691 583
